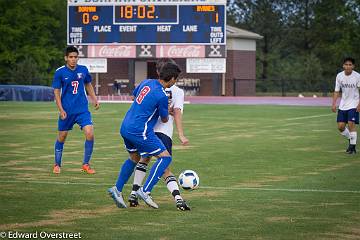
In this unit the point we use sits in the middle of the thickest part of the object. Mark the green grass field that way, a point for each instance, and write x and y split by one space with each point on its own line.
266 172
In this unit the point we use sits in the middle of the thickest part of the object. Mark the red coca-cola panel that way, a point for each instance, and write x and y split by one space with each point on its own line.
112 51
180 51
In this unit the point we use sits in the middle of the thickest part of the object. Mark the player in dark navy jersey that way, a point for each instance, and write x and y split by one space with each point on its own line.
70 83
137 130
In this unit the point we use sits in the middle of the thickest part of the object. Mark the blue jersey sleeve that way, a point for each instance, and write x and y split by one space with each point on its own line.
87 76
164 107
57 80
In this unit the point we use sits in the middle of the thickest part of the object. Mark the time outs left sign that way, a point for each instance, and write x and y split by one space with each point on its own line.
153 22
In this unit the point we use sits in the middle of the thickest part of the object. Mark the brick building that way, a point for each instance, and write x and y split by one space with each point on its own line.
129 65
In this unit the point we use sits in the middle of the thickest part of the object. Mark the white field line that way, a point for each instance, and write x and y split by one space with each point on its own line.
203 187
308 117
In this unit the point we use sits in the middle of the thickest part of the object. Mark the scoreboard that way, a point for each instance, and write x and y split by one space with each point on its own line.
154 22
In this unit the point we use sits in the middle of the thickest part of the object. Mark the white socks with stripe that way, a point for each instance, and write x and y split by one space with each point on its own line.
346 133
353 138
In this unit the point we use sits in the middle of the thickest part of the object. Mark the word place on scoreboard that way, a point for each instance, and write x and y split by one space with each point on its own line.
146 22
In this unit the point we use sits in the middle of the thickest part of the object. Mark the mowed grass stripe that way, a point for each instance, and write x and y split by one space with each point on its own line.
261 176
203 187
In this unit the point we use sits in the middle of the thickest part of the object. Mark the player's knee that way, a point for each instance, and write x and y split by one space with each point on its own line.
135 157
89 134
62 136
341 127
352 127
145 160
165 154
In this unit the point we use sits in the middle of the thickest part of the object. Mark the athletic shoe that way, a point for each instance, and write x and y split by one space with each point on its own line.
133 200
349 147
147 198
352 149
56 169
117 196
86 168
182 205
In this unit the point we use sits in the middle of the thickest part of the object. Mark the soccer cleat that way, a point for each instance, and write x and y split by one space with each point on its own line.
147 198
352 150
117 197
133 200
57 169
182 205
349 147
86 168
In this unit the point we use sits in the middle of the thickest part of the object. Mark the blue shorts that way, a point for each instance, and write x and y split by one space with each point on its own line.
151 146
350 115
82 119
166 140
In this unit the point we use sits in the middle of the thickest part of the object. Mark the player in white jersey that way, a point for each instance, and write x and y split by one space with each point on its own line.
164 131
348 81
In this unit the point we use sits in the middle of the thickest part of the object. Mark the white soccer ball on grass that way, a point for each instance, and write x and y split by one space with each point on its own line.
189 180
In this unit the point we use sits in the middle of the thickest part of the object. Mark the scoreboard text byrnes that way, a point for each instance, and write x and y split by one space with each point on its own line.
146 24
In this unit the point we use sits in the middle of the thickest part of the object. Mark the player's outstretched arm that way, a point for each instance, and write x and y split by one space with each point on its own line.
335 97
179 126
90 90
58 103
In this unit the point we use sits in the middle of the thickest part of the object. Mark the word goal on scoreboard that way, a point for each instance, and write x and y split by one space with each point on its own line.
137 22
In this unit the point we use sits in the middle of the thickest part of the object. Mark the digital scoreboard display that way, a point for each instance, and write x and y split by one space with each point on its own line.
146 22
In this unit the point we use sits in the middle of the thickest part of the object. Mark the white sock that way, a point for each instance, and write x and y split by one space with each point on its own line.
140 174
172 186
353 138
346 133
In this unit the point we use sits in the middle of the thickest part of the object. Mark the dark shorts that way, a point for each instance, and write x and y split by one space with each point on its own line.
82 119
150 146
166 140
350 115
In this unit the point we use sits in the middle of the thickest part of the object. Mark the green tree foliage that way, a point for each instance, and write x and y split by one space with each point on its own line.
302 49
304 40
26 72
32 35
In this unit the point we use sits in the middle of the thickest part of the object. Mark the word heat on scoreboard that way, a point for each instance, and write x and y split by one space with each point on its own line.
92 22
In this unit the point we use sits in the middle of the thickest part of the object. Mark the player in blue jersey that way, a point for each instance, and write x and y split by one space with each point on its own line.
151 102
69 83
164 131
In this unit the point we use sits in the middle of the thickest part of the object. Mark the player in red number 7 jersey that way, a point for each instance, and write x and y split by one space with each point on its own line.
69 83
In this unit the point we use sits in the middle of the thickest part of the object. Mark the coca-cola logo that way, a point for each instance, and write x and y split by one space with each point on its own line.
116 52
185 52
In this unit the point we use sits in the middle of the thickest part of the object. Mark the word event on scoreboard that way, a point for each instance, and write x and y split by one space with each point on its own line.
92 22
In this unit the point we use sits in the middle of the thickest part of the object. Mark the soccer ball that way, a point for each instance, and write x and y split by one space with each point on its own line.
189 180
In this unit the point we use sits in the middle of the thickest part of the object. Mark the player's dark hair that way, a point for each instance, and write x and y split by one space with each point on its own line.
71 49
161 62
169 71
349 59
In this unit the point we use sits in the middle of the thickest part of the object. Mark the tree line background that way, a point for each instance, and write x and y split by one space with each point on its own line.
302 49
304 41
